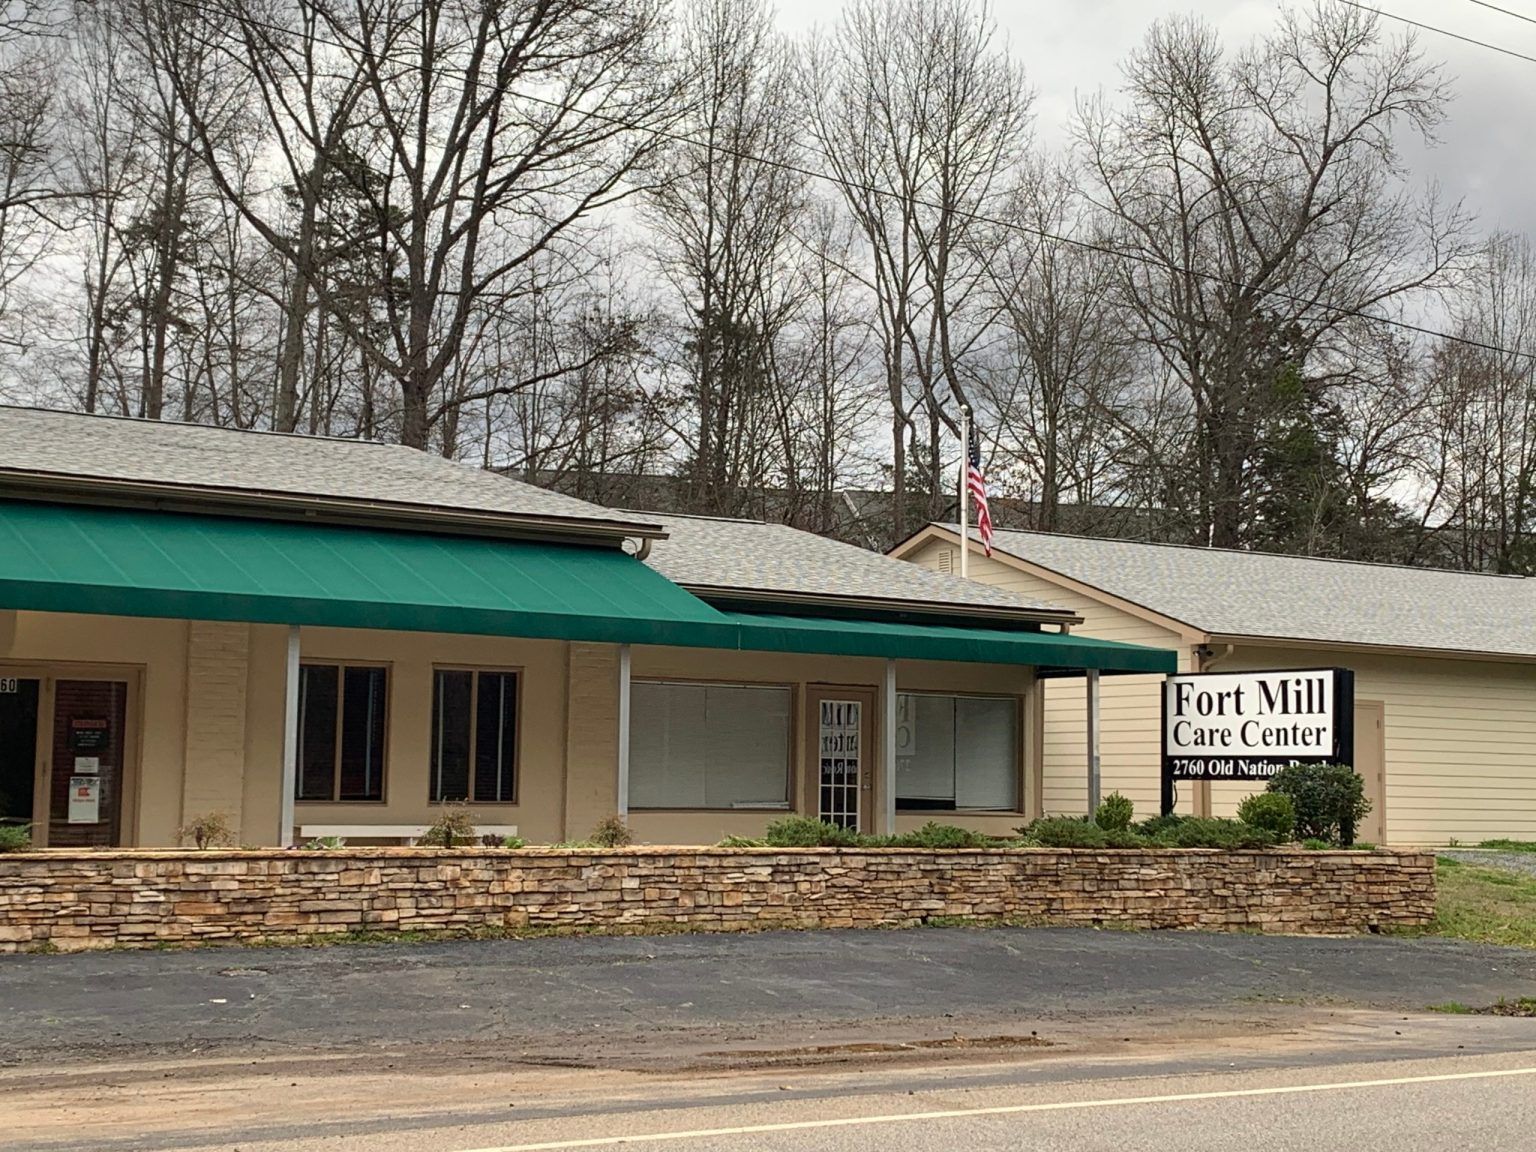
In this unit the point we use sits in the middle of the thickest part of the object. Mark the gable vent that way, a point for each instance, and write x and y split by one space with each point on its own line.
946 560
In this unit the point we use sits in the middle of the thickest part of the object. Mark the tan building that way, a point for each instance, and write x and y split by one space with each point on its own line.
325 637
1444 662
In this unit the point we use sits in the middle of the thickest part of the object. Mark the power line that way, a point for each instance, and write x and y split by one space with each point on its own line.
848 185
1446 31
1504 11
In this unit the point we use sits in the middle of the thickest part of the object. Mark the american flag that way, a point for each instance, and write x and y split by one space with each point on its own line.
976 484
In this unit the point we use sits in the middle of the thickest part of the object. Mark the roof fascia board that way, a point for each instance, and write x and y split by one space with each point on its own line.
1186 632
747 596
318 509
1248 641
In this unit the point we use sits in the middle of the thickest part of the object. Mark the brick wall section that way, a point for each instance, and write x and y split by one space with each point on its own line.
75 900
218 656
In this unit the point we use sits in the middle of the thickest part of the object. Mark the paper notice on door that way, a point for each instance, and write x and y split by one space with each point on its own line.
85 800
91 764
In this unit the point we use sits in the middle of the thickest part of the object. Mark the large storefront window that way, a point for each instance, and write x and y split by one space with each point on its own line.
957 753
342 712
708 746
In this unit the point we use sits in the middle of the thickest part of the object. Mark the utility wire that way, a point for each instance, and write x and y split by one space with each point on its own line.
1446 31
849 185
1504 11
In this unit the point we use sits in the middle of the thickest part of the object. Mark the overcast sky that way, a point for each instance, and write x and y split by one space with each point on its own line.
1487 152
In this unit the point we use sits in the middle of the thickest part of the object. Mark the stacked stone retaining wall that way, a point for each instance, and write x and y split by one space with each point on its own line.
143 898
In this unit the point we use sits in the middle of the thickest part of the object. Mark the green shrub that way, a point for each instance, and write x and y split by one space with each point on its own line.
1154 827
1125 838
1329 800
1065 832
1312 844
513 842
932 835
742 842
15 837
453 827
1115 813
1210 832
808 832
611 833
324 844
1271 811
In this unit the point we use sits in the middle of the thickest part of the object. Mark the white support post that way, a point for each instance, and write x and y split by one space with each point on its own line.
290 772
888 754
623 804
1093 741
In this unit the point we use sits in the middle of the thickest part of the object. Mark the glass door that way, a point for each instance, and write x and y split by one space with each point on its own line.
86 772
20 699
839 781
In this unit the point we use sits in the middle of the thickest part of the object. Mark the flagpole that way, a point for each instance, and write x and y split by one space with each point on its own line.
965 492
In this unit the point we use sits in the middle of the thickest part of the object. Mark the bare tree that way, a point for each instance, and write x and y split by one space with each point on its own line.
474 138
724 216
35 197
920 114
1060 398
1480 481
1260 205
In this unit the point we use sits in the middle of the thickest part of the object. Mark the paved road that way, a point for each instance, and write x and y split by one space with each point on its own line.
1229 1101
1016 1036
581 1000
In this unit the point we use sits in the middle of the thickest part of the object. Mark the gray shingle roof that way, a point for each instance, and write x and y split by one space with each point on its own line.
70 444
1296 597
751 556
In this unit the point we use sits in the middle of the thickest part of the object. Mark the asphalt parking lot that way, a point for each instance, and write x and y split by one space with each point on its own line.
581 995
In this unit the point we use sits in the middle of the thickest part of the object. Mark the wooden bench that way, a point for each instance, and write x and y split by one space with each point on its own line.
409 833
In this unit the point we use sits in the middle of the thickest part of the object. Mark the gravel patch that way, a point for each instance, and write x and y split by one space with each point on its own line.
1524 862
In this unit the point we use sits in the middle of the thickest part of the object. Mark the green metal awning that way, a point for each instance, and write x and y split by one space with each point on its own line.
131 562
1044 650
126 562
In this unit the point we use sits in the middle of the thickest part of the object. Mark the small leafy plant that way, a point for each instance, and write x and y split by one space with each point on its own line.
513 842
211 830
15 837
453 827
611 832
1115 813
325 844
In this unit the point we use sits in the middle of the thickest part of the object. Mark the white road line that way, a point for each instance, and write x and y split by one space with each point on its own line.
999 1110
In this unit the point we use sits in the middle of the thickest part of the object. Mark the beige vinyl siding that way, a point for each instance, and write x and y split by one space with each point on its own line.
1130 706
1460 741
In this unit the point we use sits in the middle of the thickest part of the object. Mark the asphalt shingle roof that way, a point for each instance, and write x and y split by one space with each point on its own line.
1236 593
195 455
752 556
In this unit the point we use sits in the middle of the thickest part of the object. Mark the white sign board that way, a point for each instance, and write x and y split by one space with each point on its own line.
1249 725
85 799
